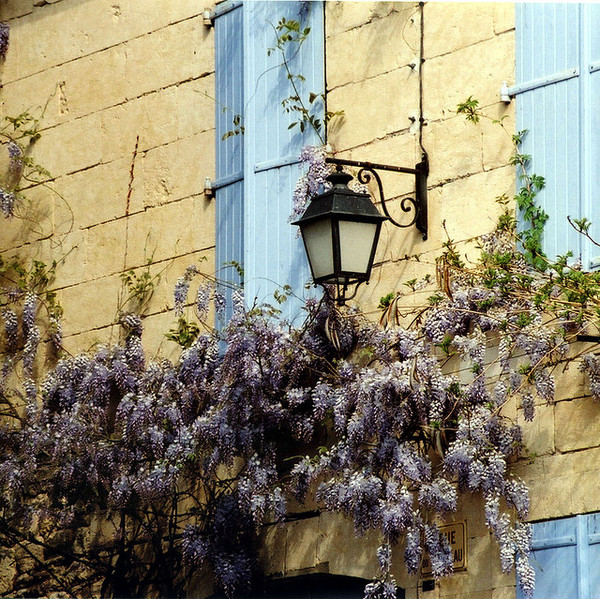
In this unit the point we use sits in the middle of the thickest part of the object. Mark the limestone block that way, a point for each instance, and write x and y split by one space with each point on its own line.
95 195
373 48
155 344
36 223
341 16
11 9
387 102
90 305
552 497
71 146
301 545
500 579
88 84
433 594
469 205
116 140
585 461
69 252
194 108
175 54
476 70
538 435
88 27
577 424
504 16
154 301
107 244
570 382
469 595
98 82
176 170
346 553
101 138
468 208
450 26
497 140
478 577
471 510
75 342
586 492
172 113
455 149
396 243
394 150
272 550
550 489
507 592
201 583
33 92
391 276
171 230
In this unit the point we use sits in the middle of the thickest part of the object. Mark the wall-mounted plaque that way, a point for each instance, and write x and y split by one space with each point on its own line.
456 535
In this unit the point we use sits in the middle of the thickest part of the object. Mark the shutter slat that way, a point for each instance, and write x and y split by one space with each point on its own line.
229 194
548 106
591 129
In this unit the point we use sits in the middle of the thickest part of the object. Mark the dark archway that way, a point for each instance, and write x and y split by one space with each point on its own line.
313 586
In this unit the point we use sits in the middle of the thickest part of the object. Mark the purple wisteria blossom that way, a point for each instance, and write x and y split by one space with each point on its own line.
4 39
7 202
312 160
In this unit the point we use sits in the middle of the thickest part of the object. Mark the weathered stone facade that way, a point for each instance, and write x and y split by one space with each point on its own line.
128 136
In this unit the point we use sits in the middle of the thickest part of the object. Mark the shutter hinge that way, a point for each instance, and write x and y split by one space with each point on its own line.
209 191
207 17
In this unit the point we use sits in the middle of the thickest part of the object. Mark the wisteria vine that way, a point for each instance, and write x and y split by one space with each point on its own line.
130 476
183 462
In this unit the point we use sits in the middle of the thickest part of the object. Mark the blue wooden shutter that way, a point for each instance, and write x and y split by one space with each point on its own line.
548 106
566 558
554 559
273 254
557 93
229 120
591 127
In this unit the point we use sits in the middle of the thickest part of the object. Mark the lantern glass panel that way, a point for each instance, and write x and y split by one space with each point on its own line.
319 247
356 244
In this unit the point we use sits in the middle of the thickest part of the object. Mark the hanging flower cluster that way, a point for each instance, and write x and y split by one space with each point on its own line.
4 38
312 181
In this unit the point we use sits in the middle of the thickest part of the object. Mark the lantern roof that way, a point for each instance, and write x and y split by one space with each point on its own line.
341 202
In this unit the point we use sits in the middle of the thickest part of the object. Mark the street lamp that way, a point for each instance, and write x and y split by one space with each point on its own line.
340 227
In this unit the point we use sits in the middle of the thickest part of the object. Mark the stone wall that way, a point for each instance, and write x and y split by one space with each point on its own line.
127 89
128 137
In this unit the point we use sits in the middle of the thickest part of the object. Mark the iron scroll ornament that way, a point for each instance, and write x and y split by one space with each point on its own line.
369 170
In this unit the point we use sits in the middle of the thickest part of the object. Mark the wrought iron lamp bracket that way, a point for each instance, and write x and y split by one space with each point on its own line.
418 204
